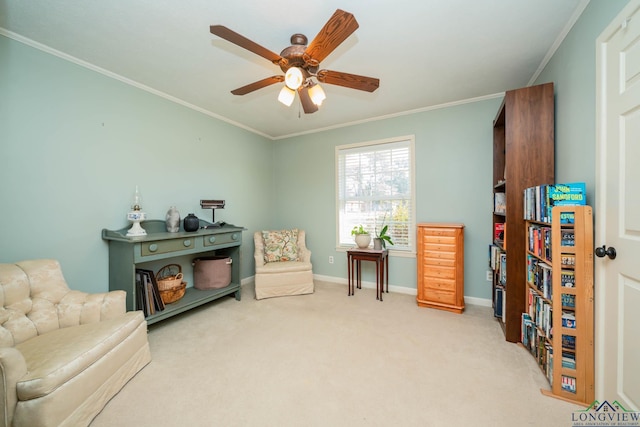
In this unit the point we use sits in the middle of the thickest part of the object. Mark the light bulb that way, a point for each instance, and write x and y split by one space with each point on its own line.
286 96
317 95
293 78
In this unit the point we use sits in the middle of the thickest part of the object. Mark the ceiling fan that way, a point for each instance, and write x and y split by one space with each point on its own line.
300 63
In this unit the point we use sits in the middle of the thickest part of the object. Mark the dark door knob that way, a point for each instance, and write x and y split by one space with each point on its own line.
608 251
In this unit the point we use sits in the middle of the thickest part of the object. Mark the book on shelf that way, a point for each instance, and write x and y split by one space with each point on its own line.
568 320
498 302
498 232
540 312
494 257
568 259
540 276
540 241
527 334
140 295
499 203
150 293
502 269
572 194
567 237
540 200
568 342
568 360
568 300
567 278
568 383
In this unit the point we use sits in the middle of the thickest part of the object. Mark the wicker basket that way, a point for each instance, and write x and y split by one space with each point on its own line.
169 277
174 294
170 283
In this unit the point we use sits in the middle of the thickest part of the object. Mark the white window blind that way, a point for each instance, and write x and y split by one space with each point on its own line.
375 187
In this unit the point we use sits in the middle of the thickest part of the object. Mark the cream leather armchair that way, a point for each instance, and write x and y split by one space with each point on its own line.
63 353
283 264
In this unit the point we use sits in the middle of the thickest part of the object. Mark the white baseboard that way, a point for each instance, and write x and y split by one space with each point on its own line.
371 285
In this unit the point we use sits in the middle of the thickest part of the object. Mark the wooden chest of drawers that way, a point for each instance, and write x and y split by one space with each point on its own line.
440 263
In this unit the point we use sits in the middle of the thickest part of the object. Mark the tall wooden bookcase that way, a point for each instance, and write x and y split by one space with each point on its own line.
558 327
523 156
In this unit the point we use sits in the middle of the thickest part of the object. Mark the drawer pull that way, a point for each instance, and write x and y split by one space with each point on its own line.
234 236
153 247
212 239
187 243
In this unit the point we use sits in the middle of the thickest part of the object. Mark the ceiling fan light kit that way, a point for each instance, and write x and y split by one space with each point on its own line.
286 96
300 63
293 78
317 94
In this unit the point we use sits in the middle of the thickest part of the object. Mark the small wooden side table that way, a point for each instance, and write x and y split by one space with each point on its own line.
379 256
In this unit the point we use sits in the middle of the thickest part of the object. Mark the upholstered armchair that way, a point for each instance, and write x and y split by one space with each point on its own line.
63 353
283 264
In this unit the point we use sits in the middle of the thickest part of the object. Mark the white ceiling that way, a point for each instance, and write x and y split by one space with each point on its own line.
425 52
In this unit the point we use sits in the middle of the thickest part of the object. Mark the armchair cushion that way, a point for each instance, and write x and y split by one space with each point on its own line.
280 245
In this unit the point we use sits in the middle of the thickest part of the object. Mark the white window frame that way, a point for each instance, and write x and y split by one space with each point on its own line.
382 144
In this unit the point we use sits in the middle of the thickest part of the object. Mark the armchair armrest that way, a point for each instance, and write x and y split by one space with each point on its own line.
77 308
12 368
259 249
304 254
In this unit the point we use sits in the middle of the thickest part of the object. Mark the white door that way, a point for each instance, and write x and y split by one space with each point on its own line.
618 210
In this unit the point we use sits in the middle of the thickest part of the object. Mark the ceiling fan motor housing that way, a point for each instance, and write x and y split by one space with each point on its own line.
295 56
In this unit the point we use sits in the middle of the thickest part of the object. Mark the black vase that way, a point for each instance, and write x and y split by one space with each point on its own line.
191 223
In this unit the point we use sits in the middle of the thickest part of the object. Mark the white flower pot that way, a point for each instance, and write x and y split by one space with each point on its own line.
363 240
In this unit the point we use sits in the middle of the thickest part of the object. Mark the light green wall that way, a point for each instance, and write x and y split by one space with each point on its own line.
573 71
453 149
74 143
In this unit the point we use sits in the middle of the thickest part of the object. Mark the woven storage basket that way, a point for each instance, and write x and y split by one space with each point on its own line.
170 283
212 272
174 294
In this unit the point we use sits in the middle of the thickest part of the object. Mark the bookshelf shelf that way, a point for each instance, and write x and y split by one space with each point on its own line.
523 156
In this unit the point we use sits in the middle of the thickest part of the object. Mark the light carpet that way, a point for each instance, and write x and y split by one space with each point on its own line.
327 359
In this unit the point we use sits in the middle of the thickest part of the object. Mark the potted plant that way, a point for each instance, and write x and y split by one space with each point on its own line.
382 238
362 236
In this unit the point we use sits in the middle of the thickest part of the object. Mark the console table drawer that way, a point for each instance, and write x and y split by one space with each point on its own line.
221 239
166 246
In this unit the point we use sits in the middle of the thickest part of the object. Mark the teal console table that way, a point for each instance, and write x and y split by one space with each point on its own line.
128 253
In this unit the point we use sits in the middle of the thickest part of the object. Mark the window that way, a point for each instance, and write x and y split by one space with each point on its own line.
375 187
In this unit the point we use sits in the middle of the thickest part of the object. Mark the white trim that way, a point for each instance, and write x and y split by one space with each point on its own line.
483 302
123 79
59 54
393 115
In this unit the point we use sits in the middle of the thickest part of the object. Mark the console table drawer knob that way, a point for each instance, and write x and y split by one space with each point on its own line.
212 239
234 236
153 247
187 243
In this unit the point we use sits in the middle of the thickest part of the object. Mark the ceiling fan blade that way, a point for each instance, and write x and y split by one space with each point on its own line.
257 85
307 104
242 41
353 81
340 26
